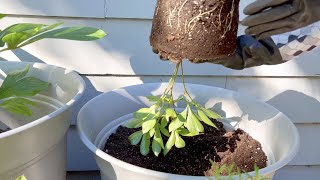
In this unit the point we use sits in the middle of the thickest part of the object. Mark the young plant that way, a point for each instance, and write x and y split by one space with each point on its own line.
16 87
16 90
161 119
229 172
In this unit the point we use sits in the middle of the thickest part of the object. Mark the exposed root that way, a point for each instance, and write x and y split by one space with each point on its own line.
198 17
228 25
171 16
180 9
224 24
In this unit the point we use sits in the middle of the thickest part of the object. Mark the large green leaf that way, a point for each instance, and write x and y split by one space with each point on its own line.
142 113
18 106
179 143
205 119
15 84
170 113
158 136
145 144
135 123
156 147
211 113
186 132
157 144
153 98
193 123
164 122
175 124
14 39
148 125
135 138
19 29
70 33
170 143
25 87
165 131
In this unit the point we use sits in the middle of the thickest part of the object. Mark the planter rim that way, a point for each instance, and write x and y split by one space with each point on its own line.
273 167
54 113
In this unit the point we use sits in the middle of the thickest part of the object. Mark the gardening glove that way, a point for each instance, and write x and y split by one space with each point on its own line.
251 52
271 17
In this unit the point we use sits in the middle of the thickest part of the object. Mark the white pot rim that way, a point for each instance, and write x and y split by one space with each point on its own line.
54 113
272 168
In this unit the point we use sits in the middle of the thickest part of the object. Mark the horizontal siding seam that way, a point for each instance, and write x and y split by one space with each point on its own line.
228 76
55 17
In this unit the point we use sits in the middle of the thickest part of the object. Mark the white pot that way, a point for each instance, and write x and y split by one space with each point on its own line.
100 116
37 145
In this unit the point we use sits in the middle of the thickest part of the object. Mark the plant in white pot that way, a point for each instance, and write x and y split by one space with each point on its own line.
169 130
175 135
35 101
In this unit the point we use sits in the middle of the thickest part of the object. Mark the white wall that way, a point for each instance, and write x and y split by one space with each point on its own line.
125 58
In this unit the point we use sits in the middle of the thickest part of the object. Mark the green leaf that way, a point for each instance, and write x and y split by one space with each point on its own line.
205 119
176 124
157 144
184 114
13 85
165 132
193 123
156 147
152 132
135 138
164 122
179 143
2 16
21 178
148 125
158 136
170 143
21 28
142 113
211 113
186 132
170 113
135 123
14 39
145 144
18 106
153 98
70 33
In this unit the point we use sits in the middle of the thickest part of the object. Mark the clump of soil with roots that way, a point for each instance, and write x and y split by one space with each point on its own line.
197 30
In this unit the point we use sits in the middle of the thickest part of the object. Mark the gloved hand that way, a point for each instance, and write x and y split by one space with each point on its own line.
271 17
250 52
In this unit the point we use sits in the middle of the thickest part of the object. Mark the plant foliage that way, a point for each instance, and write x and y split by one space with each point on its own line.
161 119
15 90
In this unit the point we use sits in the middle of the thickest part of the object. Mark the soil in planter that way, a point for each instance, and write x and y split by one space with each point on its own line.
236 147
197 30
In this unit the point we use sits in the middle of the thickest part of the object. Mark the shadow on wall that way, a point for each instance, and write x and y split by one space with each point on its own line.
297 105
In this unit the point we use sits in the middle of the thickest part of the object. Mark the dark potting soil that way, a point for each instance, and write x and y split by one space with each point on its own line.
236 147
197 30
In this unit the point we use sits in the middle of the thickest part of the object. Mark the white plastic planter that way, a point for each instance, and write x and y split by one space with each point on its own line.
100 117
37 145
